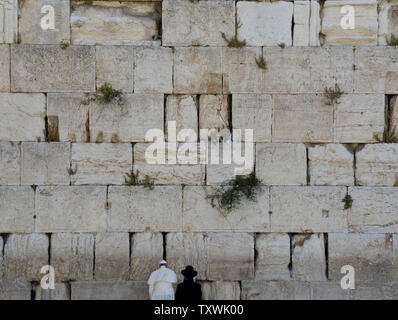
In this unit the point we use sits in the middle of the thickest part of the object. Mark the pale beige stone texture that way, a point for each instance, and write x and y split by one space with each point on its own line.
9 21
214 112
276 290
10 164
307 23
4 66
60 292
388 23
308 209
220 290
394 113
15 291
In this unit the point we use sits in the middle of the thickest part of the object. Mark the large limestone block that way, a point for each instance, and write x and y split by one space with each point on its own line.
49 68
71 209
373 291
273 256
377 165
235 250
153 70
184 111
24 256
253 112
72 256
16 209
115 66
329 290
4 67
197 23
376 70
336 18
101 163
10 164
214 112
114 22
109 290
112 256
60 292
265 23
126 122
374 209
307 23
9 21
220 290
371 255
22 117
394 113
146 252
186 248
302 118
281 163
72 115
34 17
198 70
359 117
388 22
15 291
308 209
45 163
200 215
308 257
136 209
331 164
276 290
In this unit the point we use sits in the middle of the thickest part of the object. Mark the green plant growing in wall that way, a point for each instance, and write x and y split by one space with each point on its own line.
106 94
229 196
388 136
71 171
333 95
261 63
234 42
347 202
282 45
393 41
132 179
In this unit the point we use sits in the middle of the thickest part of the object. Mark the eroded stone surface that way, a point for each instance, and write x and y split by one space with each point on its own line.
4 67
9 21
10 164
61 292
276 290
15 291
220 290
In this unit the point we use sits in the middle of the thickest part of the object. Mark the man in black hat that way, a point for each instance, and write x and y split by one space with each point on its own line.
189 290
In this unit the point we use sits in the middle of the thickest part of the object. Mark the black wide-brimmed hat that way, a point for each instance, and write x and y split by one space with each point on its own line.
189 272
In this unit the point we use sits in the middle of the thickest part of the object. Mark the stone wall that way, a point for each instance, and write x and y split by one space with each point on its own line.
64 157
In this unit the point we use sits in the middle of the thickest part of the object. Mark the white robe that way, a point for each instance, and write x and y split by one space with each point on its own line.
161 284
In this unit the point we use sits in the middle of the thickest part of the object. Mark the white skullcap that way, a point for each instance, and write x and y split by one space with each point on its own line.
163 262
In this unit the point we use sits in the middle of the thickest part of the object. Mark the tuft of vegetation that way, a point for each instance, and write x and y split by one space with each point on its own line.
132 179
105 94
333 95
282 45
347 202
51 131
387 137
261 63
393 41
229 196
396 182
64 44
71 171
234 42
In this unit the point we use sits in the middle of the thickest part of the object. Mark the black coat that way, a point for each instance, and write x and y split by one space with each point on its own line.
189 291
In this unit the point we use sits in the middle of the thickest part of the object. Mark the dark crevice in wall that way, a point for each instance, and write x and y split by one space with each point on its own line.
326 242
164 234
255 252
95 236
308 166
389 113
165 129
49 247
355 166
33 285
131 239
68 290
229 99
290 266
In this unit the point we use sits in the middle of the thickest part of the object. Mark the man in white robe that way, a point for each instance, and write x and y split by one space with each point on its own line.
161 283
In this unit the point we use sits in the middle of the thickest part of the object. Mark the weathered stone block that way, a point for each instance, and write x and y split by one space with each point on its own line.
336 22
153 70
220 290
1 257
281 163
127 122
371 255
34 21
331 164
199 215
71 209
302 118
45 163
308 257
4 66
328 290
359 117
101 163
273 256
308 209
72 115
253 112
48 68
17 209
276 290
112 256
214 112
377 165
72 256
115 66
24 256
136 209
235 250
184 23
61 292
394 113
198 70
22 117
9 21
264 23
388 23
373 291
10 164
146 252
374 209
109 290
307 23
115 22
15 291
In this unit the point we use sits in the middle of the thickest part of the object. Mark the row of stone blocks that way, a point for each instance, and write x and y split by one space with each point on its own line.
182 23
198 70
64 163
